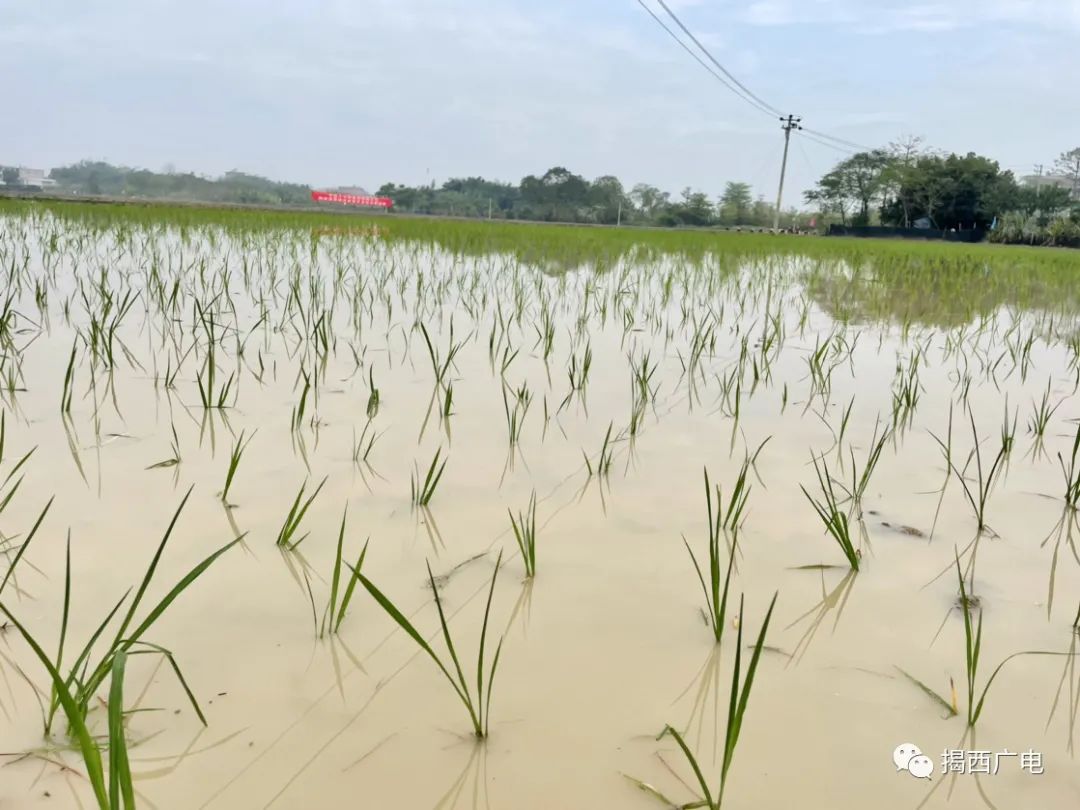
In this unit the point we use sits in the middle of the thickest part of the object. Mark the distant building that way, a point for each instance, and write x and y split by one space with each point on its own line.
34 177
356 190
1050 180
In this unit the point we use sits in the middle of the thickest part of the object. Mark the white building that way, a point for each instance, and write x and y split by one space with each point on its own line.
34 177
1048 181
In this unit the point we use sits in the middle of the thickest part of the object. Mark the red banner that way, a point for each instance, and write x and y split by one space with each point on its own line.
352 199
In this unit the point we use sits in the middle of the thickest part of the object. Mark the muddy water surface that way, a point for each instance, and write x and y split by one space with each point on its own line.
608 643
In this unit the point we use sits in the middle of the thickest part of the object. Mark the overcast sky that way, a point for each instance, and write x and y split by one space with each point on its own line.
341 92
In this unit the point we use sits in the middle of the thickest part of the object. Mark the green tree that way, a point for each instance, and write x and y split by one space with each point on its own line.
10 176
856 183
1042 202
954 192
694 209
606 199
830 196
904 155
650 201
735 204
1068 163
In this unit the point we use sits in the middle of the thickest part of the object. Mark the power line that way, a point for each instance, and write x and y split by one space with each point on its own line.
738 88
821 142
713 59
749 100
852 144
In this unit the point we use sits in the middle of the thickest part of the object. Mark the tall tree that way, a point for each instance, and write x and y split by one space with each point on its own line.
904 154
1068 163
694 209
857 183
830 196
607 199
735 204
954 191
10 176
650 200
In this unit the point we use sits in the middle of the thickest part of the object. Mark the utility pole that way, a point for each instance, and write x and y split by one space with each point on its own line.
618 221
787 124
489 208
1038 183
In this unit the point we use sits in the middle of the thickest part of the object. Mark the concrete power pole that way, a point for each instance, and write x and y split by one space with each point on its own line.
787 124
1038 183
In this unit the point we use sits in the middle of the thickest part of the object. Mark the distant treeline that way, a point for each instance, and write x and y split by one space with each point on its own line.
906 185
95 177
558 195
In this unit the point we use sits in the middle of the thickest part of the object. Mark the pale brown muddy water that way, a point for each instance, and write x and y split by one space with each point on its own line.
609 642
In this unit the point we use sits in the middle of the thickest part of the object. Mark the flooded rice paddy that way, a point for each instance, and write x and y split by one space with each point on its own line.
331 425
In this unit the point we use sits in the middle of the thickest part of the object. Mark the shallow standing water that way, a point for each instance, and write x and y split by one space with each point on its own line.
608 642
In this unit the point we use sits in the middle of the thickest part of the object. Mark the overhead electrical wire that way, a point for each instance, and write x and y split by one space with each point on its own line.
740 89
827 136
713 59
822 142
748 99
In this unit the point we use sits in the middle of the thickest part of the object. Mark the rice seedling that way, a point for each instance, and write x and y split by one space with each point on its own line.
602 465
372 408
719 525
335 612
448 402
69 382
860 480
295 517
234 463
906 392
113 788
478 703
1071 474
832 515
296 422
973 651
578 370
524 527
271 295
515 417
643 372
1041 413
421 492
845 417
820 375
742 684
24 546
212 395
984 484
85 678
440 363
1008 429
949 707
